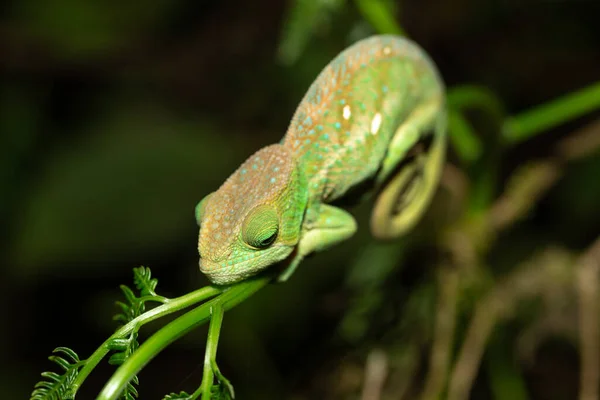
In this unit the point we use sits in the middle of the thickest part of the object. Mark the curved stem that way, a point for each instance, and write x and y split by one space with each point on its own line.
475 97
171 306
230 297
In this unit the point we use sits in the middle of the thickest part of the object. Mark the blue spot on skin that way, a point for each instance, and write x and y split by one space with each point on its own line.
243 171
342 102
337 125
319 156
272 180
320 127
276 169
384 89
307 141
347 133
254 166
328 221
326 136
308 121
317 144
318 98
311 132
297 142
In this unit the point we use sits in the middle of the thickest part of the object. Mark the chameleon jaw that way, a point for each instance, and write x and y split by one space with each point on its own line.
238 271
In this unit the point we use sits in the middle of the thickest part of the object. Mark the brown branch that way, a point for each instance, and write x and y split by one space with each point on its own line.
376 372
527 281
589 332
581 143
445 324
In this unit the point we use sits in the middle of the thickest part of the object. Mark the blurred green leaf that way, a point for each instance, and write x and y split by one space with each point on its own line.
539 119
304 18
381 15
463 138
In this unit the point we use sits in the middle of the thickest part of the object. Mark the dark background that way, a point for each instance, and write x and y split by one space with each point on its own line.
116 118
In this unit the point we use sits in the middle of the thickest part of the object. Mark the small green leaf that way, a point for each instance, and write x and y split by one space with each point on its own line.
55 386
142 277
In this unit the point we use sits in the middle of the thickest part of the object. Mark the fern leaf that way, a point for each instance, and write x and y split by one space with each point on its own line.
142 277
55 386
220 392
130 309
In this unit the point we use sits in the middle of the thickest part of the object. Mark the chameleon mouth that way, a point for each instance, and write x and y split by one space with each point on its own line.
218 275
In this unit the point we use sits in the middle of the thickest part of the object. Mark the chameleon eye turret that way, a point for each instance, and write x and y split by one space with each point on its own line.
359 123
261 226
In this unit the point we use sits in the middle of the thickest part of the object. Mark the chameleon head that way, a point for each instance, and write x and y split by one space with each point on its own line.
254 219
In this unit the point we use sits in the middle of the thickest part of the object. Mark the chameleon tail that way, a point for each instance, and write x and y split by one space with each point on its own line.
405 197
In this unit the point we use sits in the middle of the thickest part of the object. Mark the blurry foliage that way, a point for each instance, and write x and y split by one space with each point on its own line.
115 119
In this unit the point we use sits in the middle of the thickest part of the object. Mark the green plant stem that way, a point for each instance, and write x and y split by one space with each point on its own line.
467 145
170 306
228 299
463 97
212 342
533 121
379 15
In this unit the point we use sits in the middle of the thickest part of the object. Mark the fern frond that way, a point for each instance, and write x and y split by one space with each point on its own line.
131 308
142 277
55 386
134 306
221 392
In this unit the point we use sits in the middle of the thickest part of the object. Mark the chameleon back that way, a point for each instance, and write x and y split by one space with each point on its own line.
341 130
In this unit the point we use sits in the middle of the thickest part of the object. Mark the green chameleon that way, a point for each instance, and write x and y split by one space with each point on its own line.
374 118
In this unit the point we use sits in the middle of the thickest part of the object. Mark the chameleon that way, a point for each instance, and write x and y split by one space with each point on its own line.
375 117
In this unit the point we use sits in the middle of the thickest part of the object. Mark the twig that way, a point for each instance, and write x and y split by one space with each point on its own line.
525 187
526 281
376 372
589 332
445 323
580 143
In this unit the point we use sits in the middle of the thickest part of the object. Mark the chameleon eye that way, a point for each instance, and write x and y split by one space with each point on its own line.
200 208
260 227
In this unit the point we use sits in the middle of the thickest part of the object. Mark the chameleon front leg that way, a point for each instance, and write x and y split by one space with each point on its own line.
403 199
331 225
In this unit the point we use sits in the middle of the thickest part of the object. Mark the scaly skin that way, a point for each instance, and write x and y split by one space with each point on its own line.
375 115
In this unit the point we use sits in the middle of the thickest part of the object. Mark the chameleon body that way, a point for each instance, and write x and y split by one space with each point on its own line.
375 115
